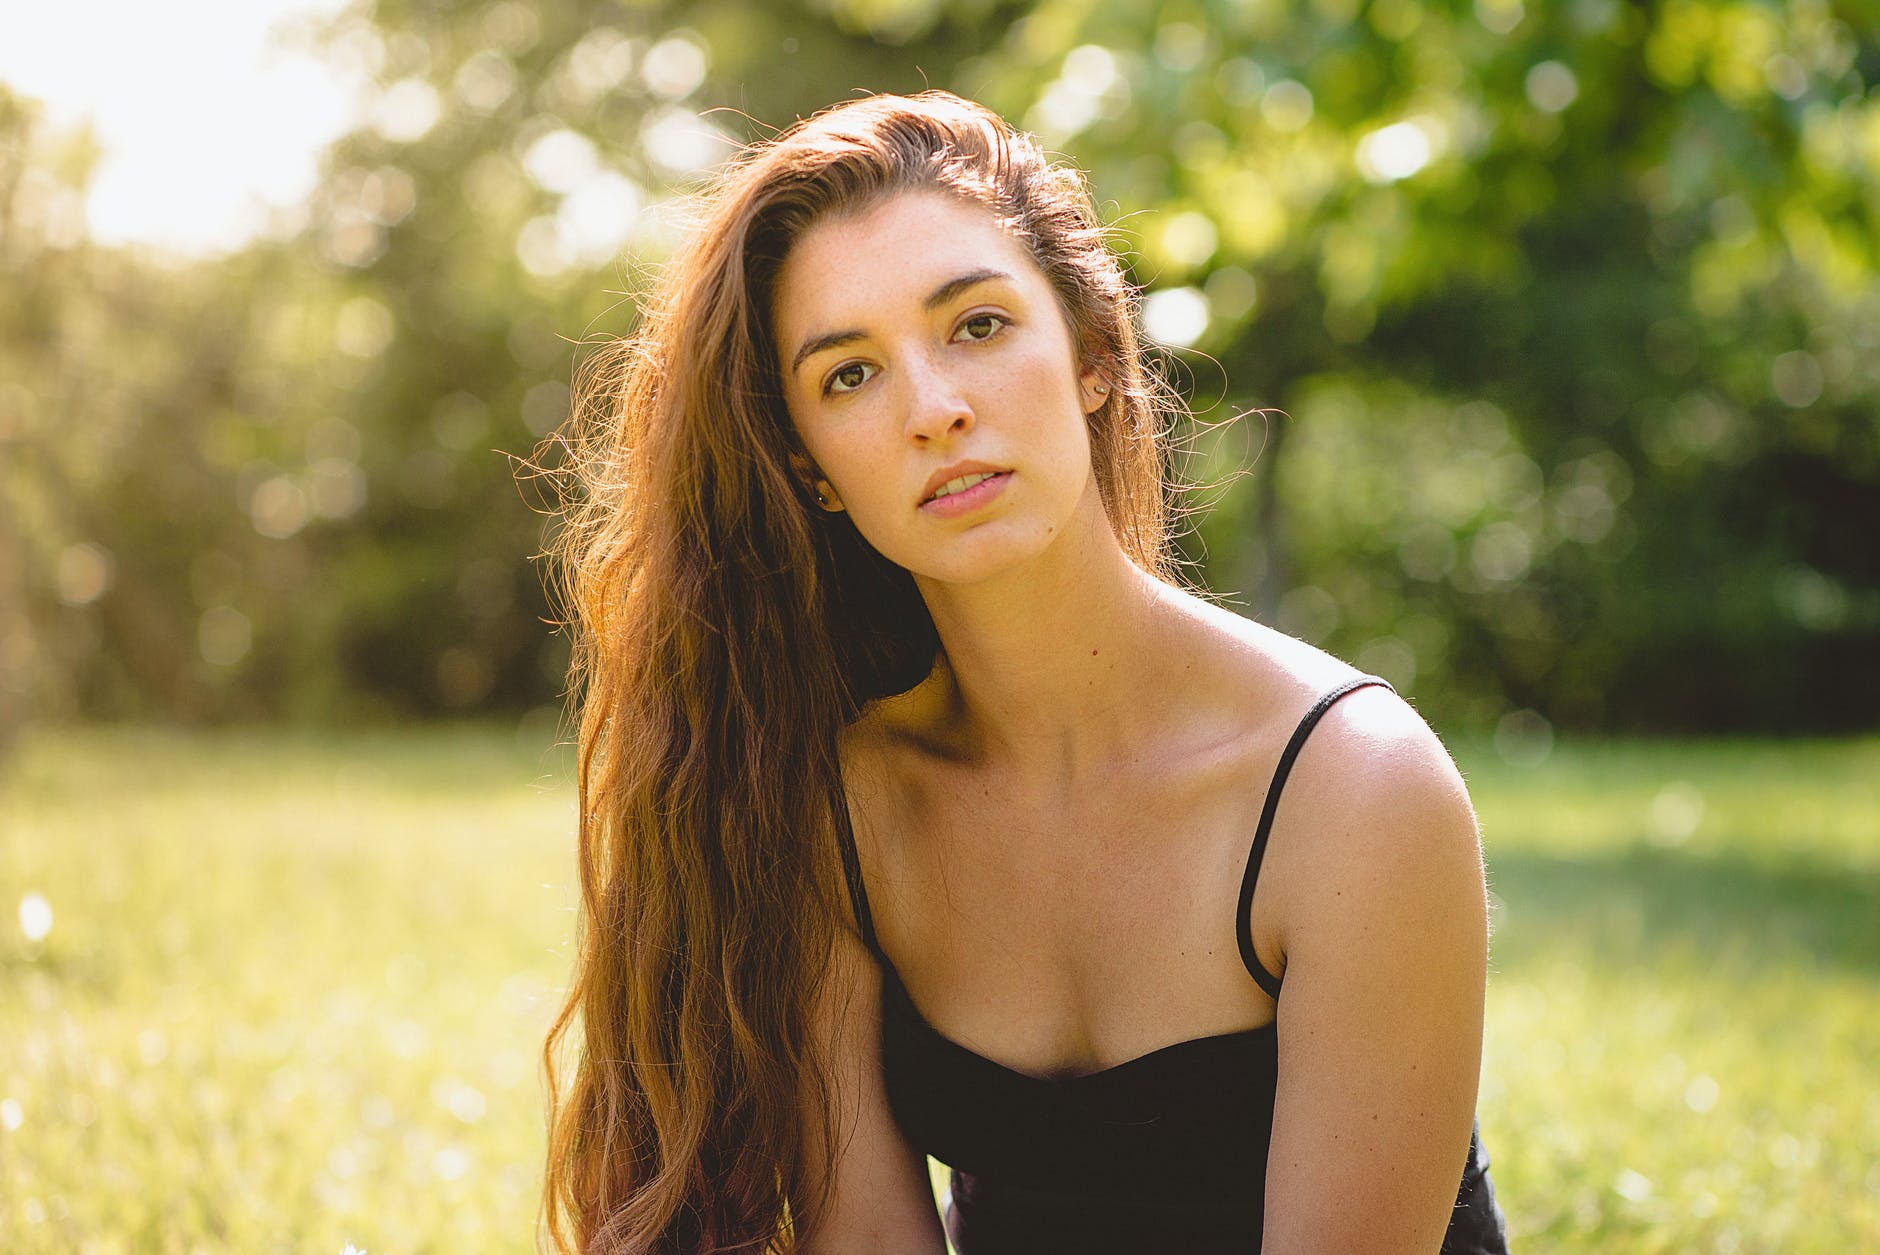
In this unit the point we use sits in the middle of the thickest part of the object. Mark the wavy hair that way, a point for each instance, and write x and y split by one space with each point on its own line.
725 631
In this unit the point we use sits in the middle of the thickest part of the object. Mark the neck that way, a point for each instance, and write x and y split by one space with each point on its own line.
1050 669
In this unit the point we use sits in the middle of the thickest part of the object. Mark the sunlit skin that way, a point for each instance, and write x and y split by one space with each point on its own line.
1054 824
902 361
986 374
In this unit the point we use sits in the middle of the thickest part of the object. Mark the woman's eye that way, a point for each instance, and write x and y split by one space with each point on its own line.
980 327
849 378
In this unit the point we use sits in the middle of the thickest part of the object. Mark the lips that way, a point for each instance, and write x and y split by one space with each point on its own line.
962 484
958 470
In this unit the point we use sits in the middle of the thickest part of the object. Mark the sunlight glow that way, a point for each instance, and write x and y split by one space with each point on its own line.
206 124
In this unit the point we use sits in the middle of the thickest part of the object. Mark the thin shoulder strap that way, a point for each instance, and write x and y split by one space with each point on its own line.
1244 917
852 872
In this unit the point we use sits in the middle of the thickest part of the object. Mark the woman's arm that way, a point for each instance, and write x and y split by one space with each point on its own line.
879 1197
1382 917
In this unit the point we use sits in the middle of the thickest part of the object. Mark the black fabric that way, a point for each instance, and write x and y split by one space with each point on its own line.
1166 1152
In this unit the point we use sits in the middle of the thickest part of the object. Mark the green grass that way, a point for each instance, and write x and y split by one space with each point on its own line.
292 995
294 986
1683 1047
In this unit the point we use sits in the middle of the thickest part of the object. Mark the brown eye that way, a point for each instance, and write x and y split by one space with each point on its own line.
850 377
980 327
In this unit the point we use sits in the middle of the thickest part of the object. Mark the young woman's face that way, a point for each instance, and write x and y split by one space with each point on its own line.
920 345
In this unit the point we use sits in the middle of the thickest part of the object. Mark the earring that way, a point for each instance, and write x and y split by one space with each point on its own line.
820 499
1102 389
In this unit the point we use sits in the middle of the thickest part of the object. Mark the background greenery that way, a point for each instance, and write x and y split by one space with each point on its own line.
1568 314
292 987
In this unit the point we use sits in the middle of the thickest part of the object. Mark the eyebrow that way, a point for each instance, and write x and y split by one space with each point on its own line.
938 297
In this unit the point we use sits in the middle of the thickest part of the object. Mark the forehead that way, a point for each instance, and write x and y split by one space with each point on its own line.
888 256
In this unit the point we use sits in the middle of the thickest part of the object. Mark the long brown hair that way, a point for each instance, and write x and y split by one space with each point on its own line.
725 631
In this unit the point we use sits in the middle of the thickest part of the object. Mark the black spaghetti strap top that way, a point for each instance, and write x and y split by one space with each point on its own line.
1166 1152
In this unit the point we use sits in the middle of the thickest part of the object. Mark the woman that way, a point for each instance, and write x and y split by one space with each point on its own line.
924 813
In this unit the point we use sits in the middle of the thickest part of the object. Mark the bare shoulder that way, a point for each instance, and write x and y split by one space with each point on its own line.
1375 807
1371 758
1373 818
1391 770
1375 859
1372 911
880 754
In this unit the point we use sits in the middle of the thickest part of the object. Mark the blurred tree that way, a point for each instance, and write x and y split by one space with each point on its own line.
84 615
1570 314
514 151
293 488
1574 311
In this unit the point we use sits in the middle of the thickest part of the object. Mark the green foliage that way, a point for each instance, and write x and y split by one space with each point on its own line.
1572 308
293 989
1566 316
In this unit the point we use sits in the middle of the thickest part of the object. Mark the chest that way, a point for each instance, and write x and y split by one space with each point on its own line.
1068 930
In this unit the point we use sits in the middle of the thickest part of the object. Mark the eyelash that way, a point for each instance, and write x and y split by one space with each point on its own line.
829 386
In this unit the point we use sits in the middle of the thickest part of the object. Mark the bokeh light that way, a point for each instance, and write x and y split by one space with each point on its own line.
35 916
1175 316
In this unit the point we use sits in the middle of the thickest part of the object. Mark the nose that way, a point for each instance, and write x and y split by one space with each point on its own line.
936 407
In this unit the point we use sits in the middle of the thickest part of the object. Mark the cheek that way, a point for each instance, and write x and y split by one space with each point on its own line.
847 455
1029 379
1052 394
824 441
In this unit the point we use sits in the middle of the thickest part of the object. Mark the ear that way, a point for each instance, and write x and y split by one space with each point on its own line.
826 496
1094 389
821 488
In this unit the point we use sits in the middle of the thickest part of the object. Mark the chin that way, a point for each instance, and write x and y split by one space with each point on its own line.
987 553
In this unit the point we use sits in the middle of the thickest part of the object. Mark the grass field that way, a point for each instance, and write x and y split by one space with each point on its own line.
265 991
